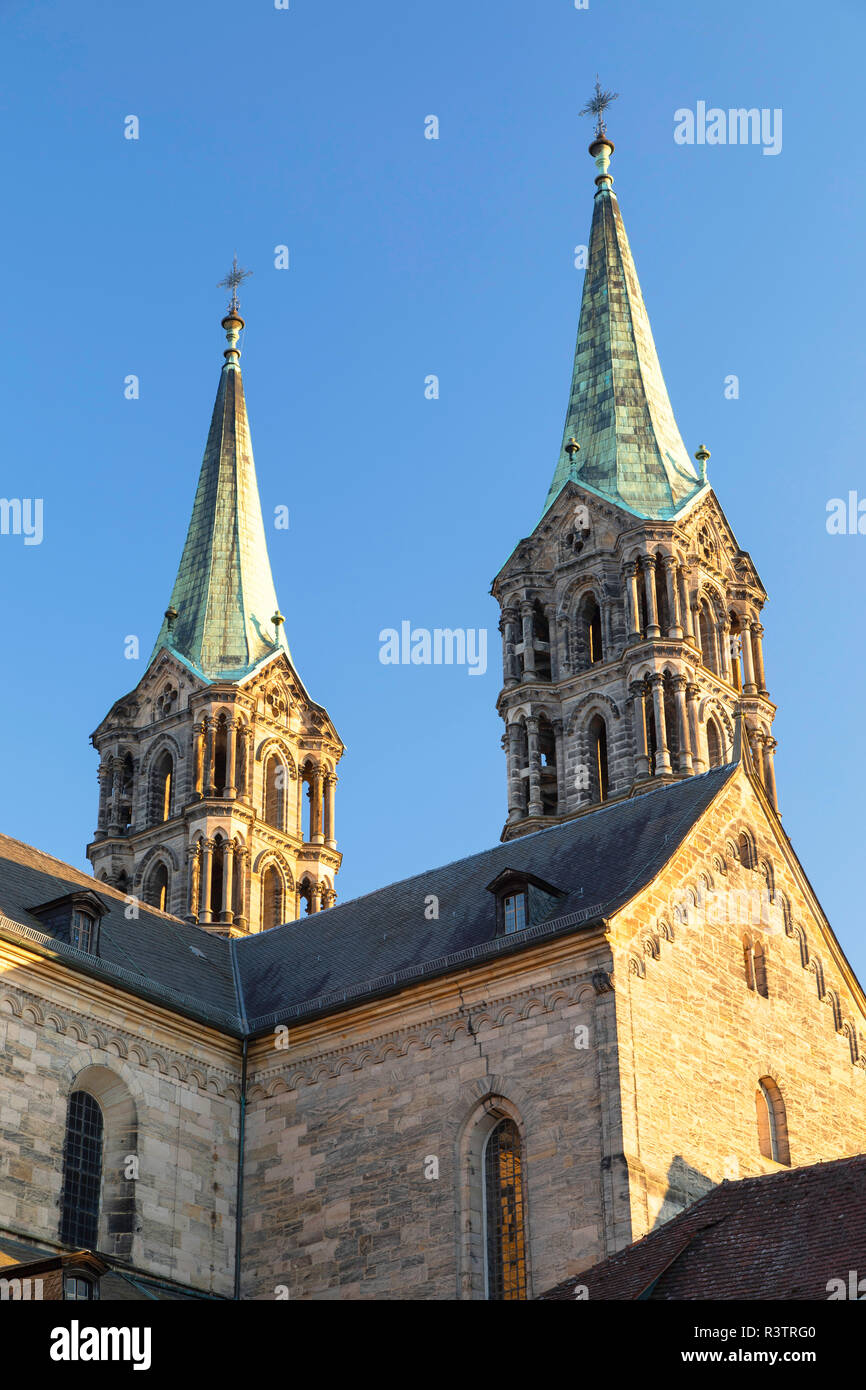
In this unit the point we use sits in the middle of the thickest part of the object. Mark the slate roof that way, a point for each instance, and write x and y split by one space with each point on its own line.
152 955
779 1237
619 411
372 945
224 592
381 941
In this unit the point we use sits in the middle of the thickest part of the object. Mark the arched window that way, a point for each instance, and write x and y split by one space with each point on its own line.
157 887
708 636
82 1172
772 1122
275 792
755 966
715 745
220 747
504 1220
746 850
588 640
541 629
662 606
272 898
547 753
598 771
161 789
127 780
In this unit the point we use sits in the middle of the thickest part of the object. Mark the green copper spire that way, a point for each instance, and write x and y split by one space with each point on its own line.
620 438
221 616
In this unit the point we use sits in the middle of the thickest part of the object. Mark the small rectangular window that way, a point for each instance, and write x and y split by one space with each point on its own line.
82 930
515 912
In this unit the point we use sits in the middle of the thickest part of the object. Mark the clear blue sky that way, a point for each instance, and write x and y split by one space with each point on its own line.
260 127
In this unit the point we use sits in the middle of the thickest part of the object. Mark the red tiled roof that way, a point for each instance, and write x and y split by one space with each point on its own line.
778 1237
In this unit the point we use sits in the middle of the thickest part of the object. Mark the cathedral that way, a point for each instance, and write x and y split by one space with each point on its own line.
218 1082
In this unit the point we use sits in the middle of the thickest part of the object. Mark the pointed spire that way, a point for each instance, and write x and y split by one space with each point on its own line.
619 412
222 618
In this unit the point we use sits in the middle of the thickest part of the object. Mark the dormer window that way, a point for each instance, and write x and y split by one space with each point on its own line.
83 929
74 919
514 912
522 899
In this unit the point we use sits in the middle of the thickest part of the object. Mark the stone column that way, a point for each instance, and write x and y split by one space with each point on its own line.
208 788
526 613
629 577
516 804
725 642
686 607
329 897
535 805
699 762
330 789
231 734
696 631
770 746
315 894
638 715
749 687
680 684
758 656
207 848
559 744
316 836
675 628
510 619
648 569
228 866
663 757
194 853
241 856
197 757
104 795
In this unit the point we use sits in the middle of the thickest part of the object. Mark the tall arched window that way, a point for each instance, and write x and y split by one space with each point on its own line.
597 734
588 640
714 744
755 963
157 886
504 1219
272 898
275 792
772 1122
708 636
661 584
161 789
82 1172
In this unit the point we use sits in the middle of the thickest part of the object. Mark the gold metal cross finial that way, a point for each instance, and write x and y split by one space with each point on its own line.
597 105
235 276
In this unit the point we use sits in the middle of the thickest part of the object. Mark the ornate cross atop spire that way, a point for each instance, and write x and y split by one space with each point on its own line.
234 278
597 105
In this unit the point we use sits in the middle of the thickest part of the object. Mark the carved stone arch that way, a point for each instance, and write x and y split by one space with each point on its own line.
800 936
56 1022
715 596
831 998
850 1032
33 1014
164 743
636 967
153 855
267 857
665 930
574 591
595 702
273 744
712 705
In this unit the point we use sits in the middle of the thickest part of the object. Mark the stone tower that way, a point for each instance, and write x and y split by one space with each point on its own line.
217 772
630 616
